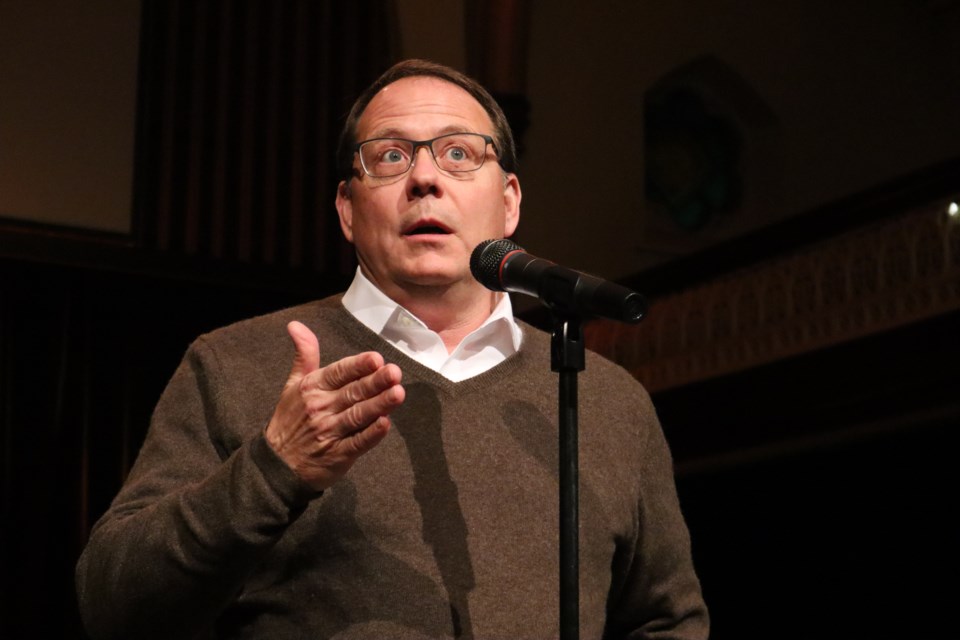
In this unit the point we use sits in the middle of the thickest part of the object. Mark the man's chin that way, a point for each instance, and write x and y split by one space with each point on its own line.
436 277
430 280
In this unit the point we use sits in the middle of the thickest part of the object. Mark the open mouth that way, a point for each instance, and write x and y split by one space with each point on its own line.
426 228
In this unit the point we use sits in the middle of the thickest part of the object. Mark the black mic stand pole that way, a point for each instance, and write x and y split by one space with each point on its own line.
567 358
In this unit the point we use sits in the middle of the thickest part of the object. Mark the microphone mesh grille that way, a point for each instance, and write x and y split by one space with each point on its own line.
486 259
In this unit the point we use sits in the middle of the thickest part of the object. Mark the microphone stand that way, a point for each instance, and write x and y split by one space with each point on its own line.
567 358
502 265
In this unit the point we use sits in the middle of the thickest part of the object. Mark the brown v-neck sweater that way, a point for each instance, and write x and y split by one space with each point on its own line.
447 529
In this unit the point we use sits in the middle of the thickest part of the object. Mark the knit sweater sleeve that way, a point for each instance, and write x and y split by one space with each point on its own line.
203 504
658 592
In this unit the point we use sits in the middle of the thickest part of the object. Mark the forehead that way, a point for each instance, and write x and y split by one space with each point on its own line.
422 107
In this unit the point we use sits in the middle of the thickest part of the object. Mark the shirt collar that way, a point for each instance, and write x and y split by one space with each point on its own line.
378 312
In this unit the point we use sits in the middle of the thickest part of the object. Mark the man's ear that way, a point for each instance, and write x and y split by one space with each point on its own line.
511 204
345 210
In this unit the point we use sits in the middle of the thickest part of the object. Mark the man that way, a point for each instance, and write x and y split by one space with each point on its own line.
240 519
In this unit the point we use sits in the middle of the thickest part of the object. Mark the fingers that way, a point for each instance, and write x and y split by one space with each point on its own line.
377 402
347 370
357 406
350 394
365 440
358 378
367 388
328 416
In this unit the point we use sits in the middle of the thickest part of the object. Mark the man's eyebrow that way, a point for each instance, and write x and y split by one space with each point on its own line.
386 133
393 132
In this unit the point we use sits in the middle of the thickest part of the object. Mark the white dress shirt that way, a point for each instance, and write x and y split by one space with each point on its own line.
488 345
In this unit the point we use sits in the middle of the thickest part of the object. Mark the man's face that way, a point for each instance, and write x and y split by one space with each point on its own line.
419 229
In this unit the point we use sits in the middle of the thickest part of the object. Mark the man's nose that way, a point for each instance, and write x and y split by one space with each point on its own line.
427 161
423 173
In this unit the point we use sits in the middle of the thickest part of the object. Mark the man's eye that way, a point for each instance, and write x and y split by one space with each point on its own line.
457 154
392 156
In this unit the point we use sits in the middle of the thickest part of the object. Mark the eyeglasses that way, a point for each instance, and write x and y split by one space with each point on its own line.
453 152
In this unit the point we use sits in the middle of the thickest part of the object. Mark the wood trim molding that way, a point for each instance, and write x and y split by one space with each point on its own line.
878 277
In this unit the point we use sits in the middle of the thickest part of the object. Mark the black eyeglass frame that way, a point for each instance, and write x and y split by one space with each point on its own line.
488 140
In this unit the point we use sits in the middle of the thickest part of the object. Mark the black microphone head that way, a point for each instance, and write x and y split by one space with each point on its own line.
486 259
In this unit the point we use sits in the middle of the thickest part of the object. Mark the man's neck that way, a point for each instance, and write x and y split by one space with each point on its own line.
450 311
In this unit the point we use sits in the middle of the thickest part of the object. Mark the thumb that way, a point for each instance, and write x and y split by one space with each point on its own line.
307 357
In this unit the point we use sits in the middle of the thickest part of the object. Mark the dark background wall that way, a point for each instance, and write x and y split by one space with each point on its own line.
817 485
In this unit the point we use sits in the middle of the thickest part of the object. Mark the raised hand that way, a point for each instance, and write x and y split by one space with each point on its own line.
326 418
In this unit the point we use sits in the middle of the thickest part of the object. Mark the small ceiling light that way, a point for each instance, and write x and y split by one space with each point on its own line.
953 210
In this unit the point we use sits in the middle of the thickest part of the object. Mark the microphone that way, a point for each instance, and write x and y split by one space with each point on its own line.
502 265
